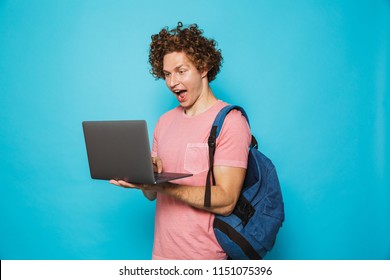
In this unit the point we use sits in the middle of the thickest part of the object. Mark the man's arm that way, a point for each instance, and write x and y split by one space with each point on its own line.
224 194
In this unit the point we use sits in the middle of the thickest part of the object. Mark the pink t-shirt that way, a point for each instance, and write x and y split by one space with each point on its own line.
182 231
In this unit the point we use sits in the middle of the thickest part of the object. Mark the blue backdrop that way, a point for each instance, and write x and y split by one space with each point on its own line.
312 75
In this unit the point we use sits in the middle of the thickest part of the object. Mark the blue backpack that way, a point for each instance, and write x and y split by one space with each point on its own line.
250 231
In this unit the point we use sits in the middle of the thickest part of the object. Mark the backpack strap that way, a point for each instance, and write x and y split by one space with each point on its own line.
214 133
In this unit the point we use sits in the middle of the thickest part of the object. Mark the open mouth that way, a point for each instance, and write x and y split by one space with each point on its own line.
179 92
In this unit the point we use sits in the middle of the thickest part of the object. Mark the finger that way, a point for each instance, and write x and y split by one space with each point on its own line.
127 185
154 164
114 182
159 165
157 162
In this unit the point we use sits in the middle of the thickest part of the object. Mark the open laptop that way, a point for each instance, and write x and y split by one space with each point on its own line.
121 150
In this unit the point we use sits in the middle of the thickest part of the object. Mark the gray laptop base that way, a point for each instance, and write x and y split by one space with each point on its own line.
120 150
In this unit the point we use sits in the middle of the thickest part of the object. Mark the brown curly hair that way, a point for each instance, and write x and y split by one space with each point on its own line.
199 49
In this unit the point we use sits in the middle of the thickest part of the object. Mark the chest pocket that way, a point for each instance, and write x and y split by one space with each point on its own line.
196 158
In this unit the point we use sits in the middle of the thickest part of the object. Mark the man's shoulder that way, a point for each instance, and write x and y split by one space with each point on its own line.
172 113
233 115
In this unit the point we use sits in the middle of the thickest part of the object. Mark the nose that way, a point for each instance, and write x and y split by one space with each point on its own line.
174 80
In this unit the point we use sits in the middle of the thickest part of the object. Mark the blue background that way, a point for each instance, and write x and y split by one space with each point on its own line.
312 75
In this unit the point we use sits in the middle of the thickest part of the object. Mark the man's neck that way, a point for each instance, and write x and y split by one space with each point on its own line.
202 104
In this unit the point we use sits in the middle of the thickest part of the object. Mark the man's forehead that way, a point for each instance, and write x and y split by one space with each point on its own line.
175 60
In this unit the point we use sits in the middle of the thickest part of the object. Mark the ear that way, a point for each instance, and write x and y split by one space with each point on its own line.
204 72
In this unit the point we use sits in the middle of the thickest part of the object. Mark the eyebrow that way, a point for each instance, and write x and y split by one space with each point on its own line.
177 67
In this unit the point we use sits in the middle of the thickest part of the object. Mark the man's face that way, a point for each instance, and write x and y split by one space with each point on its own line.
182 78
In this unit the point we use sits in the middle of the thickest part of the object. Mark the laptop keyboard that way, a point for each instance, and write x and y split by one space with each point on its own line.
160 176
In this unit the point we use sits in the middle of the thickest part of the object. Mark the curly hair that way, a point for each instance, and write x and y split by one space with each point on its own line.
201 51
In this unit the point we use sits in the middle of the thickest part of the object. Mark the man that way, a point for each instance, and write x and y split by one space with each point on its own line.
183 226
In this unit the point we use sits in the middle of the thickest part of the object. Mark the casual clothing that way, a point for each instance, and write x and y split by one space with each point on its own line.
182 231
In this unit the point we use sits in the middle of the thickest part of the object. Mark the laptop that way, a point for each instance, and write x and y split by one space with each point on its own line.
120 150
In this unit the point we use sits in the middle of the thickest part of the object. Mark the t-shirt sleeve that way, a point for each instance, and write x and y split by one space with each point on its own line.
233 141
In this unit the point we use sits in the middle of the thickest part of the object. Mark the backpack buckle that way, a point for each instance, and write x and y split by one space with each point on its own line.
211 141
244 210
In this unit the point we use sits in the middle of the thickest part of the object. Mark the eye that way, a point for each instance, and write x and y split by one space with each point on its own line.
182 71
167 75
